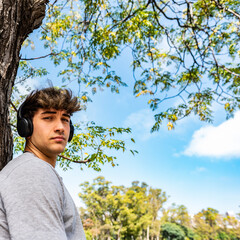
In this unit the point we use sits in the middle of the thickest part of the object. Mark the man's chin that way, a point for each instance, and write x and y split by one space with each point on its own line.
58 151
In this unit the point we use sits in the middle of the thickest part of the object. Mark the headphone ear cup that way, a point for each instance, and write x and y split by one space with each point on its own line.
71 131
24 127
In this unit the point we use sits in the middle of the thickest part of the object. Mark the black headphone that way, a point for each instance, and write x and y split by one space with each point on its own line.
25 125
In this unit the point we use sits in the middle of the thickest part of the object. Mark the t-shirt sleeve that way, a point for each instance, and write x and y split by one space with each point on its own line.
34 202
4 235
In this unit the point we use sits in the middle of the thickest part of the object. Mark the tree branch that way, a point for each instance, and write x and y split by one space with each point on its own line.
67 158
30 59
165 15
131 15
14 107
13 126
226 69
220 6
84 161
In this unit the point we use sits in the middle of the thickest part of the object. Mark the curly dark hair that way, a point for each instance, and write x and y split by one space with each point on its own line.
59 99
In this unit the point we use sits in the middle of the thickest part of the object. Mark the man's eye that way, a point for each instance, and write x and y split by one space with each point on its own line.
66 120
47 118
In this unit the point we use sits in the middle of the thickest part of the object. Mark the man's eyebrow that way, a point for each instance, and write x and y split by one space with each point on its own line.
54 112
66 115
49 112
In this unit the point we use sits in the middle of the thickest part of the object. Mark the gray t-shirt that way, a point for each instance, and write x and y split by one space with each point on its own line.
34 203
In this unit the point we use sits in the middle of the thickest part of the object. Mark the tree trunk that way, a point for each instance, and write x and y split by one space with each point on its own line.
148 228
118 234
18 18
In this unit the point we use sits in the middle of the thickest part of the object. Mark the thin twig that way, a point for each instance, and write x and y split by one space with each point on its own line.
13 125
14 107
130 15
84 161
67 158
220 6
226 69
29 59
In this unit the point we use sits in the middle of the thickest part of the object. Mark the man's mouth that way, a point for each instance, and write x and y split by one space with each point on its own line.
59 138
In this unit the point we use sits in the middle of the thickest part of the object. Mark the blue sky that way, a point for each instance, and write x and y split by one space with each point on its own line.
197 164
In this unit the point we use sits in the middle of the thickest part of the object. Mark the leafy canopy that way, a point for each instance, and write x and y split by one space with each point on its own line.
186 53
180 49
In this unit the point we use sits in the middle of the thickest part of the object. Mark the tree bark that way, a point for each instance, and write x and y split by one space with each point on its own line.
18 18
148 228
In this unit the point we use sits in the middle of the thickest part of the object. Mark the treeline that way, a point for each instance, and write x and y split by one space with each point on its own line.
138 213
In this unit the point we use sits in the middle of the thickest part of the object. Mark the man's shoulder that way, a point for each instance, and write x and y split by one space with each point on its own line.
24 161
26 166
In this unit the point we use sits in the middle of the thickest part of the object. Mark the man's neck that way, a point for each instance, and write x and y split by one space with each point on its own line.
30 147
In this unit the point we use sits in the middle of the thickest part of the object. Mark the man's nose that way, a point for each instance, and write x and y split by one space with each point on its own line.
59 126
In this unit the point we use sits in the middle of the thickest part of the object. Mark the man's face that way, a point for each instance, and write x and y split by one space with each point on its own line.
50 131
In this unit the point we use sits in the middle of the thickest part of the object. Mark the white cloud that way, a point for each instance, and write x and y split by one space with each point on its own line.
141 123
199 170
222 141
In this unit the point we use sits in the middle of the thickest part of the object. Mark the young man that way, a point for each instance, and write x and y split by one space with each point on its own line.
34 203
